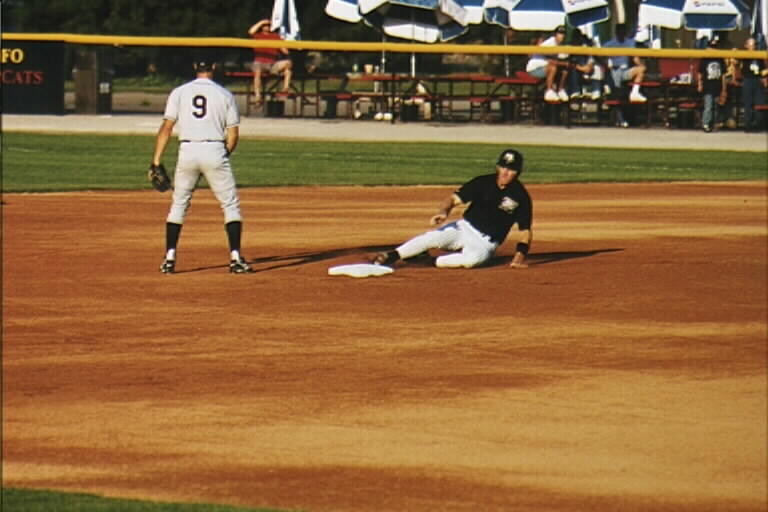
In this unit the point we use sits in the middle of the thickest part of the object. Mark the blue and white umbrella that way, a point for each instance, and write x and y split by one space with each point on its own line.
652 15
345 10
545 14
474 9
586 12
285 21
661 13
425 21
715 15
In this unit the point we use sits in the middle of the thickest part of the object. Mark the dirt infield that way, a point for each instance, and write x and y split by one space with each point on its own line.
625 370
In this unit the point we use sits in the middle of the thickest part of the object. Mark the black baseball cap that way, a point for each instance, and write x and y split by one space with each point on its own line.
560 29
511 159
203 65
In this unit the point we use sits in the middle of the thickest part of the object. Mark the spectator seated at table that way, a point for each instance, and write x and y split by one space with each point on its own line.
625 69
269 60
553 69
585 79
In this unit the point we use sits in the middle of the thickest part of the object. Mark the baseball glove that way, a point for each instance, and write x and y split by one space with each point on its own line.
158 176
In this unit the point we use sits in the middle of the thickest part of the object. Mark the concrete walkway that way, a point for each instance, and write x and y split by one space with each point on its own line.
368 130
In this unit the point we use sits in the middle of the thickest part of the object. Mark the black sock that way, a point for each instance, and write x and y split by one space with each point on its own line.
234 231
172 233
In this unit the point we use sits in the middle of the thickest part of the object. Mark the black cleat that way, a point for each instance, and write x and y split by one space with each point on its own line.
168 267
239 267
385 258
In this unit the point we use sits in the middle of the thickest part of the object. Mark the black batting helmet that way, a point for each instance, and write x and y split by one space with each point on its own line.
511 159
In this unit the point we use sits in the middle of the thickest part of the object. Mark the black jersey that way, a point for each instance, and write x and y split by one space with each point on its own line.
712 75
494 211
752 69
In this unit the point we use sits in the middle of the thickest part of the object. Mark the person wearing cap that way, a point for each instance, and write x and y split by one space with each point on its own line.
269 60
496 202
712 85
553 69
208 123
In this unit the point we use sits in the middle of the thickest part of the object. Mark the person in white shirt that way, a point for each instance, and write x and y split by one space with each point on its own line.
624 69
208 130
551 68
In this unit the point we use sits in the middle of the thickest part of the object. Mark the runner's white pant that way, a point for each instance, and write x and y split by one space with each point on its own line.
209 159
475 247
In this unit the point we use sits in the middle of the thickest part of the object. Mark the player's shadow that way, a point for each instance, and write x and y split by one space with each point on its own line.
266 263
544 258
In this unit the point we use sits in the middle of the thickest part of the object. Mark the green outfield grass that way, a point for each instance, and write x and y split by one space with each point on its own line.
46 162
20 500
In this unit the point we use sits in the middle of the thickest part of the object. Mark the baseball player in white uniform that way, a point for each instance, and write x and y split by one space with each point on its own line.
208 132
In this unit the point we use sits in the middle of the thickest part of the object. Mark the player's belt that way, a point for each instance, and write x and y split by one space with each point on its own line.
206 140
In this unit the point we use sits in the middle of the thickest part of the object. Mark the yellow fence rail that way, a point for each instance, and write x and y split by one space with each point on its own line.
482 49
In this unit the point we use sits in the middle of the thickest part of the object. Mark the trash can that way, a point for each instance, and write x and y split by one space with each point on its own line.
275 108
94 74
331 106
410 112
507 110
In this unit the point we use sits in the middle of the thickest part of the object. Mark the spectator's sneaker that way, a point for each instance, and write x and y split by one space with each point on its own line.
595 95
562 95
637 97
551 96
239 266
168 267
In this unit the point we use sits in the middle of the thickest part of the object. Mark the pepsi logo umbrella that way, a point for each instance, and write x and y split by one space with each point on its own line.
545 14
715 14
694 14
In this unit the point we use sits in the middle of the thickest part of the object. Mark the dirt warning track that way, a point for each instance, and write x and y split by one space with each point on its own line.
624 370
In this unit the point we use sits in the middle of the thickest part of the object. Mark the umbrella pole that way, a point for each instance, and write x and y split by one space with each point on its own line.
383 55
413 38
506 55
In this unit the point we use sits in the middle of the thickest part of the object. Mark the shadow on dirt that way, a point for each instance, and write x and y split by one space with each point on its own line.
556 257
267 263
296 259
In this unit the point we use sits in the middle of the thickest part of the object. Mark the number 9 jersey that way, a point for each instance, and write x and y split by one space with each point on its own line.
202 110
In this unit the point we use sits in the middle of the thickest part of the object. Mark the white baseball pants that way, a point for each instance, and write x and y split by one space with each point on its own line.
474 247
209 159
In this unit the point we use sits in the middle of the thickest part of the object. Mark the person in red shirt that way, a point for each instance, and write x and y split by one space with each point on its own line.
270 60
